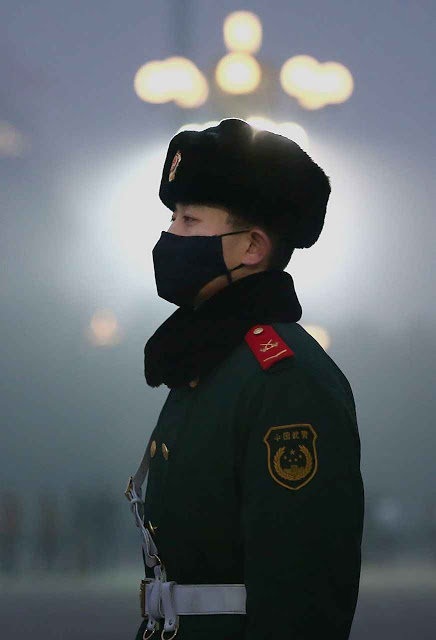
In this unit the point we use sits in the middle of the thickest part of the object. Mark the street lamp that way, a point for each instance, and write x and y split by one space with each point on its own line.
312 83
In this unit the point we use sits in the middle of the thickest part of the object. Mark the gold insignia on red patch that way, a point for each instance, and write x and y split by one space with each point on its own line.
175 163
267 346
292 458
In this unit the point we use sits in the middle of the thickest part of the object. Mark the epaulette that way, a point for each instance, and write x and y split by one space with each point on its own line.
267 346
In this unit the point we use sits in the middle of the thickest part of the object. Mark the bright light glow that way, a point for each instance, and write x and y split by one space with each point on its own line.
323 273
336 81
312 101
188 83
299 74
193 126
238 73
134 211
290 130
175 78
118 218
151 83
320 334
198 127
258 122
103 330
316 84
211 123
294 132
196 97
242 32
12 142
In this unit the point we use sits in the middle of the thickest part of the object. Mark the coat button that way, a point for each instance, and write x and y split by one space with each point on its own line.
152 529
153 448
165 450
194 383
258 330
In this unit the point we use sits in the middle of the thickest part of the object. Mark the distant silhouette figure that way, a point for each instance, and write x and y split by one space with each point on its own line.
104 530
10 530
430 525
82 517
47 538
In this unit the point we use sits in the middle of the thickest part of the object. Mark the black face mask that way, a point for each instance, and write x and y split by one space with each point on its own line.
184 264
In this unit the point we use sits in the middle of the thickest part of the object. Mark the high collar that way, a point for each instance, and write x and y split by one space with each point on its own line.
191 342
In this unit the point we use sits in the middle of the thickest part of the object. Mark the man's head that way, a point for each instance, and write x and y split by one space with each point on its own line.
253 249
254 183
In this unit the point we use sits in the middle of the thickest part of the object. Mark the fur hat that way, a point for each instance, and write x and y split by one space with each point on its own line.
262 176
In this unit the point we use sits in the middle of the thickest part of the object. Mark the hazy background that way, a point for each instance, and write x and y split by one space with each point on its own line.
80 215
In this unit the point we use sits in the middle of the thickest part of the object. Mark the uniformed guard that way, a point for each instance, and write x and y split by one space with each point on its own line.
251 523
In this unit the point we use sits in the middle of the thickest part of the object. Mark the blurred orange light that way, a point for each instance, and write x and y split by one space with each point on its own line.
103 330
12 142
150 83
238 73
175 78
316 84
242 32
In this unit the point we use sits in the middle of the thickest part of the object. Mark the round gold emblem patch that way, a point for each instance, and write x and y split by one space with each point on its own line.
292 458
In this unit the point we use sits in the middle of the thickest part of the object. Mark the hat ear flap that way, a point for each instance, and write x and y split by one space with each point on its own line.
308 220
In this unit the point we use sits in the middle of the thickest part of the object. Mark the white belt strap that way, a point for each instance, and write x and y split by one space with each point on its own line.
161 598
207 599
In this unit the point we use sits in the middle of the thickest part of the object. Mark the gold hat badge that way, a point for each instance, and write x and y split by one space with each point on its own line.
175 163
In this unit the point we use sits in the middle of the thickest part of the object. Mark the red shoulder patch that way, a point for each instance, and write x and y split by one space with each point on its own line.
267 346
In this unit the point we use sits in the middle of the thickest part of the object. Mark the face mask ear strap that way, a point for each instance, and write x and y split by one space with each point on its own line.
233 232
229 277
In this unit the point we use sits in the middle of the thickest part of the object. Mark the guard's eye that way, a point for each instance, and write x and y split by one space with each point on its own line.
186 218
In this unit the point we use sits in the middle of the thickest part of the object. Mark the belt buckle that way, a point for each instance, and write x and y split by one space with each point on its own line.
142 595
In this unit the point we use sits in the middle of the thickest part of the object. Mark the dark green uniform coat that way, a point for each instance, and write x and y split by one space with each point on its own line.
262 486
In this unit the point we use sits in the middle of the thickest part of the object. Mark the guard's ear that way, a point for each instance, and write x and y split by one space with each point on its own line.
259 248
